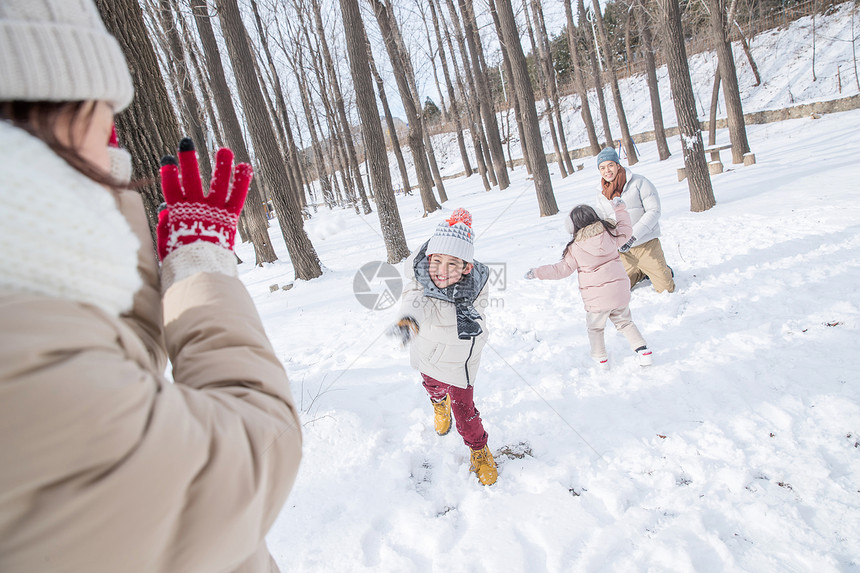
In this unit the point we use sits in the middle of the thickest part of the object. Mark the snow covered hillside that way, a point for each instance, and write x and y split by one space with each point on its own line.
785 62
738 450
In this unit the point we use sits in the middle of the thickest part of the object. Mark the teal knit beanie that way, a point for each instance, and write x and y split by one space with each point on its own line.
607 154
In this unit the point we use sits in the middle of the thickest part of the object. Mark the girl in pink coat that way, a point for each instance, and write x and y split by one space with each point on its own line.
603 282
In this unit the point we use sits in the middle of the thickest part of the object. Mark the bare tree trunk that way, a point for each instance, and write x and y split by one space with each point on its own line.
452 98
485 98
340 107
205 88
431 54
148 128
434 167
546 57
712 118
628 16
608 141
254 211
193 119
729 77
374 141
334 148
303 162
626 140
471 99
748 52
217 139
578 81
284 128
413 88
544 89
651 76
317 158
415 137
698 178
537 156
389 120
302 254
512 90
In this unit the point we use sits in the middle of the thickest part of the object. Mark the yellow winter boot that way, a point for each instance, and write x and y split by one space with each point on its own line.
442 415
484 465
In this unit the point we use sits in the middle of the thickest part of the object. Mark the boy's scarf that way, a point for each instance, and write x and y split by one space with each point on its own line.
614 188
462 294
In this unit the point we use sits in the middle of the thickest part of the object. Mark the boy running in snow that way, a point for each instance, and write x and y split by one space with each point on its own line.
439 315
593 253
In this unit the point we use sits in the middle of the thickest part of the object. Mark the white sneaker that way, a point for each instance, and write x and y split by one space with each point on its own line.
602 364
645 357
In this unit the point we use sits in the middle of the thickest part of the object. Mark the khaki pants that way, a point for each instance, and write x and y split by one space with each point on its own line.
623 321
648 259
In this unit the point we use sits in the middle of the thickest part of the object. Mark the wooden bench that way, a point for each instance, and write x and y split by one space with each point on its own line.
714 150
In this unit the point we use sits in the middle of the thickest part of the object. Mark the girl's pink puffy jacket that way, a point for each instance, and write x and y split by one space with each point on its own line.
603 281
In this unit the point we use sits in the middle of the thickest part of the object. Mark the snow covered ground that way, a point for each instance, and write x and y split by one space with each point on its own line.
738 450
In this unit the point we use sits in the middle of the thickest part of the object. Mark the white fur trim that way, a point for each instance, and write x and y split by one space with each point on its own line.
199 257
61 234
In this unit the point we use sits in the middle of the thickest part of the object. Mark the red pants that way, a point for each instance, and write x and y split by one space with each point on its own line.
466 416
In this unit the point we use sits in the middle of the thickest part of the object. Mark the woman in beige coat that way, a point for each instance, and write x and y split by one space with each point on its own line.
107 465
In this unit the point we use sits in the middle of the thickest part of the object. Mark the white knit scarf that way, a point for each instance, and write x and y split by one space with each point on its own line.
61 234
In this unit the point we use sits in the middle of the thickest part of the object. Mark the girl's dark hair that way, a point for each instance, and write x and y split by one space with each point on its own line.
40 118
582 216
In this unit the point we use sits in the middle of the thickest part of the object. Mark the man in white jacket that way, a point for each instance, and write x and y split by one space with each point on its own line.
642 255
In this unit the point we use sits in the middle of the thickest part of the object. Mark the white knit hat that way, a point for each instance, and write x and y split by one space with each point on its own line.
60 50
454 237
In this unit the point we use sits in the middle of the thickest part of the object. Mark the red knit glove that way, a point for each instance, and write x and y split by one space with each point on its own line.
188 215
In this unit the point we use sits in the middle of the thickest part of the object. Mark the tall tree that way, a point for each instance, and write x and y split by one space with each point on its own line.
537 52
294 56
509 77
578 80
522 83
729 78
545 53
591 49
643 18
454 111
431 55
415 137
148 128
254 211
193 120
203 82
698 178
302 253
389 119
413 88
339 105
284 125
626 140
470 99
485 99
374 142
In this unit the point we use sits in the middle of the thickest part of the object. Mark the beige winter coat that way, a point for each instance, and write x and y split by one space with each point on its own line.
436 350
109 466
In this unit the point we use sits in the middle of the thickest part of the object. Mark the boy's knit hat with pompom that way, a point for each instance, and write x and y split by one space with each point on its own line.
454 237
